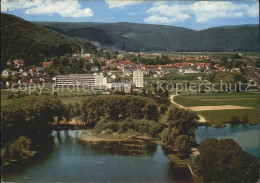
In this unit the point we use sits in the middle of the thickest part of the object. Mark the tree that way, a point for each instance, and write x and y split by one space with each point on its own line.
225 161
182 145
19 148
229 79
107 55
144 92
30 116
181 122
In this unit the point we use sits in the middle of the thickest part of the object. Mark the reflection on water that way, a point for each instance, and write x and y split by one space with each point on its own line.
70 160
125 148
247 136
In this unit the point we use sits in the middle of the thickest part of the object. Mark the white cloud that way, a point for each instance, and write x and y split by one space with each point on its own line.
253 10
156 19
203 11
120 4
65 8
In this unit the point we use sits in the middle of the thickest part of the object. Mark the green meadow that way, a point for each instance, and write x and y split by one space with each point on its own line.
219 117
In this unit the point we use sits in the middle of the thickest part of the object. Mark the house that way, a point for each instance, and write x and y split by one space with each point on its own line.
125 63
9 63
120 57
47 64
6 73
94 68
149 68
129 69
11 84
168 68
25 74
18 63
191 71
90 59
46 79
15 73
35 80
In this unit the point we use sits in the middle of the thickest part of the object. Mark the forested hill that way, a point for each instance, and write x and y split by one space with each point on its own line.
147 37
21 39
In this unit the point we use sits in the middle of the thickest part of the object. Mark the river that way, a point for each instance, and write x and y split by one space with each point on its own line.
69 160
247 136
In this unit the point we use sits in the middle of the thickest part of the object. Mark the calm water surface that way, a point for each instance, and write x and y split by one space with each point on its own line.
246 136
70 160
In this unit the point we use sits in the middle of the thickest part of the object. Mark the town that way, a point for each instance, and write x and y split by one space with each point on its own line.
114 70
130 91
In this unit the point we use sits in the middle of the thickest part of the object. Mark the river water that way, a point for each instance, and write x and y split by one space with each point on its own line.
247 136
69 160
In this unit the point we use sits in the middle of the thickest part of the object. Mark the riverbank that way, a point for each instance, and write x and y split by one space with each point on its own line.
29 154
105 136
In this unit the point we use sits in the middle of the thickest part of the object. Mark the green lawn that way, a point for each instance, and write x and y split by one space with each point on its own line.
219 117
71 100
213 99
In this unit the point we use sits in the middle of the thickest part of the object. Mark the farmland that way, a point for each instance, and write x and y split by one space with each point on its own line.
219 117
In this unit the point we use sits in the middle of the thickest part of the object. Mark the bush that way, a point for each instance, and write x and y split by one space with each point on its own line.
101 126
112 126
125 126
225 161
141 126
163 109
245 120
165 135
149 127
19 148
182 145
10 96
108 131
4 154
235 120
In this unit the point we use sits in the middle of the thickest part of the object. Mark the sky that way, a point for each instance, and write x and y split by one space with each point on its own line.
195 15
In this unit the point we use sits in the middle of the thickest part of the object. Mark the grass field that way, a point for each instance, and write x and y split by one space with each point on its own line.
72 100
64 95
219 117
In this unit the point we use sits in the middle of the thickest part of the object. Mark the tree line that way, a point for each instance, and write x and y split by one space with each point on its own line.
25 121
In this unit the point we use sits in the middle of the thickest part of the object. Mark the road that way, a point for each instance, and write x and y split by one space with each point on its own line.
201 120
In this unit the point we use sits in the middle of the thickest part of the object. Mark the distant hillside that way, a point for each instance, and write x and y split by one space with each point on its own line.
147 37
33 43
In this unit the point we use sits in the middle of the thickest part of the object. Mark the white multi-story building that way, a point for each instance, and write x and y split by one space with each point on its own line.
75 79
87 80
138 79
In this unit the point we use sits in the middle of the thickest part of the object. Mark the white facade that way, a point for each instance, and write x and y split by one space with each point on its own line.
6 73
138 78
100 80
75 79
87 80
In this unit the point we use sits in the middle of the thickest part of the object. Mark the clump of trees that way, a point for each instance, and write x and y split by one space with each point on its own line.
20 148
224 161
25 121
142 126
180 133
117 107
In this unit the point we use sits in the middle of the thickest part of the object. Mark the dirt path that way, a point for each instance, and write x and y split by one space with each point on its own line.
217 107
201 120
